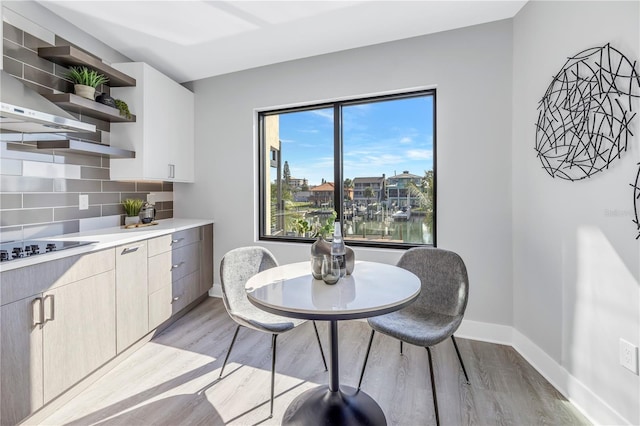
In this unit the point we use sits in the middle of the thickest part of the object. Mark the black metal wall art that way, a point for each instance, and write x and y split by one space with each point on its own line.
636 201
585 115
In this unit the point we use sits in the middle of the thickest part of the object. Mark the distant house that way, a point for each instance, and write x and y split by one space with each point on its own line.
297 184
360 184
322 195
397 189
301 196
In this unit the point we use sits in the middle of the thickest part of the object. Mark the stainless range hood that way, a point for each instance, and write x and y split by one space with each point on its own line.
24 110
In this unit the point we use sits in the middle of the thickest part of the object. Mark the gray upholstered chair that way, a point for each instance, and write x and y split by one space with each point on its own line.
438 311
236 268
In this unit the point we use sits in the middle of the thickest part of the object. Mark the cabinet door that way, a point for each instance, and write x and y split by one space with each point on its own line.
181 143
79 333
163 134
21 360
132 303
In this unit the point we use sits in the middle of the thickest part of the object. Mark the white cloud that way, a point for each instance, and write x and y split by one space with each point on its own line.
328 114
419 154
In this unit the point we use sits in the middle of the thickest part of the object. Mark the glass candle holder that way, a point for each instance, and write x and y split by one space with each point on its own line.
316 266
330 269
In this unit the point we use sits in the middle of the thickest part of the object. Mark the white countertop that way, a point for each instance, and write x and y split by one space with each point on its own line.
372 289
106 238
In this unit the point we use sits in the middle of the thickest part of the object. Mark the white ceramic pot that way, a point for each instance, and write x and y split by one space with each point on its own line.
85 91
131 220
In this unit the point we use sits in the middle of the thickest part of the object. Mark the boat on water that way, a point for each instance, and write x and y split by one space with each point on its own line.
403 214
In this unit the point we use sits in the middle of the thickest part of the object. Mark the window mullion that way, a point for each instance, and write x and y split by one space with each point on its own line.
337 162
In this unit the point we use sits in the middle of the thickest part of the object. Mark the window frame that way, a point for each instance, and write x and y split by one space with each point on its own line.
338 195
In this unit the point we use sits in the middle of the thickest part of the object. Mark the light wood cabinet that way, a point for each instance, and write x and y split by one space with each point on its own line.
79 334
62 320
176 271
132 303
21 359
163 134
56 335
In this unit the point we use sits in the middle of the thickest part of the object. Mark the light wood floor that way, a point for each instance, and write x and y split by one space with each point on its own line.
172 380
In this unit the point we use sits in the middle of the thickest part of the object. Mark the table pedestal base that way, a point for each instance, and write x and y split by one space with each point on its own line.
320 406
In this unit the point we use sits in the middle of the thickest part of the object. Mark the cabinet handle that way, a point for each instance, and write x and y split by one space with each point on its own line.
175 299
52 312
37 311
131 249
176 241
172 170
176 266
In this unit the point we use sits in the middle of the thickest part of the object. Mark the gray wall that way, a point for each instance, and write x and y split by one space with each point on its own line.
576 260
39 188
471 69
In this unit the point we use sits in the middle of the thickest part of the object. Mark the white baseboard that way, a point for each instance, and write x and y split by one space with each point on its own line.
487 332
216 290
584 399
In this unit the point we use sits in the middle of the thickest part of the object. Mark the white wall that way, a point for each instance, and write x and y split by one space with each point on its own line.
472 71
576 260
54 24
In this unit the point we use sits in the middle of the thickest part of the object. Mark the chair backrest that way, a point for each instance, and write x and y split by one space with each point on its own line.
443 274
236 267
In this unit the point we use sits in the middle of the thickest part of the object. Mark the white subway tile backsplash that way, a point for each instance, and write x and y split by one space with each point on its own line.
10 167
50 170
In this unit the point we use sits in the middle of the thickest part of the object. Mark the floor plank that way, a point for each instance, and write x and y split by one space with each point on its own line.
173 380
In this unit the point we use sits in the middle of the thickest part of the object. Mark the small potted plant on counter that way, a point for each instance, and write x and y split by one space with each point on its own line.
132 208
85 81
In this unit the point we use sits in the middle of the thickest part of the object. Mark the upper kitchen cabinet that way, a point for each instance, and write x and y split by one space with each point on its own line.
163 134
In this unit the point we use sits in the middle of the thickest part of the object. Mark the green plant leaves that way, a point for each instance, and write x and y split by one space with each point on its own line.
86 76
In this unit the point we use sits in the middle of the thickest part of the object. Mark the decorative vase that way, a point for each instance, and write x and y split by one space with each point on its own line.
322 247
131 220
107 100
85 91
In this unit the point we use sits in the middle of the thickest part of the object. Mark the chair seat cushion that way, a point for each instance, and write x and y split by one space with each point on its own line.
257 319
416 325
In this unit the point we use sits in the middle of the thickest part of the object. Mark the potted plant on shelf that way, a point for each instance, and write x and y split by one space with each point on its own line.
123 108
132 208
85 81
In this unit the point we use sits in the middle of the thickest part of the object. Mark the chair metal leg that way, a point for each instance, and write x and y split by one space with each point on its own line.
401 348
273 370
229 351
324 361
366 358
433 386
464 370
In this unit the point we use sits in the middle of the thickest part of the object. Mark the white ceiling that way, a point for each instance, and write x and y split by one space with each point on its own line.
190 40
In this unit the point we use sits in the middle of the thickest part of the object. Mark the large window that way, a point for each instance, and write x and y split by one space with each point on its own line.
369 161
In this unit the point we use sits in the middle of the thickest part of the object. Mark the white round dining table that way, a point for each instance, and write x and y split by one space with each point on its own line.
372 289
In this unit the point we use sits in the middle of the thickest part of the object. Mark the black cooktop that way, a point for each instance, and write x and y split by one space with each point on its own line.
12 250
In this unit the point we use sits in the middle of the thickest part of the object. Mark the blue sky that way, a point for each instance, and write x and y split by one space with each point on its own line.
379 137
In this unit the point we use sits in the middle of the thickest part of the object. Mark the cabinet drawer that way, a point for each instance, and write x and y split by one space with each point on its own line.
185 291
166 243
172 298
24 282
168 267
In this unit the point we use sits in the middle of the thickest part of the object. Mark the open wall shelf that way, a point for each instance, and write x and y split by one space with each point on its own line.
72 56
84 106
